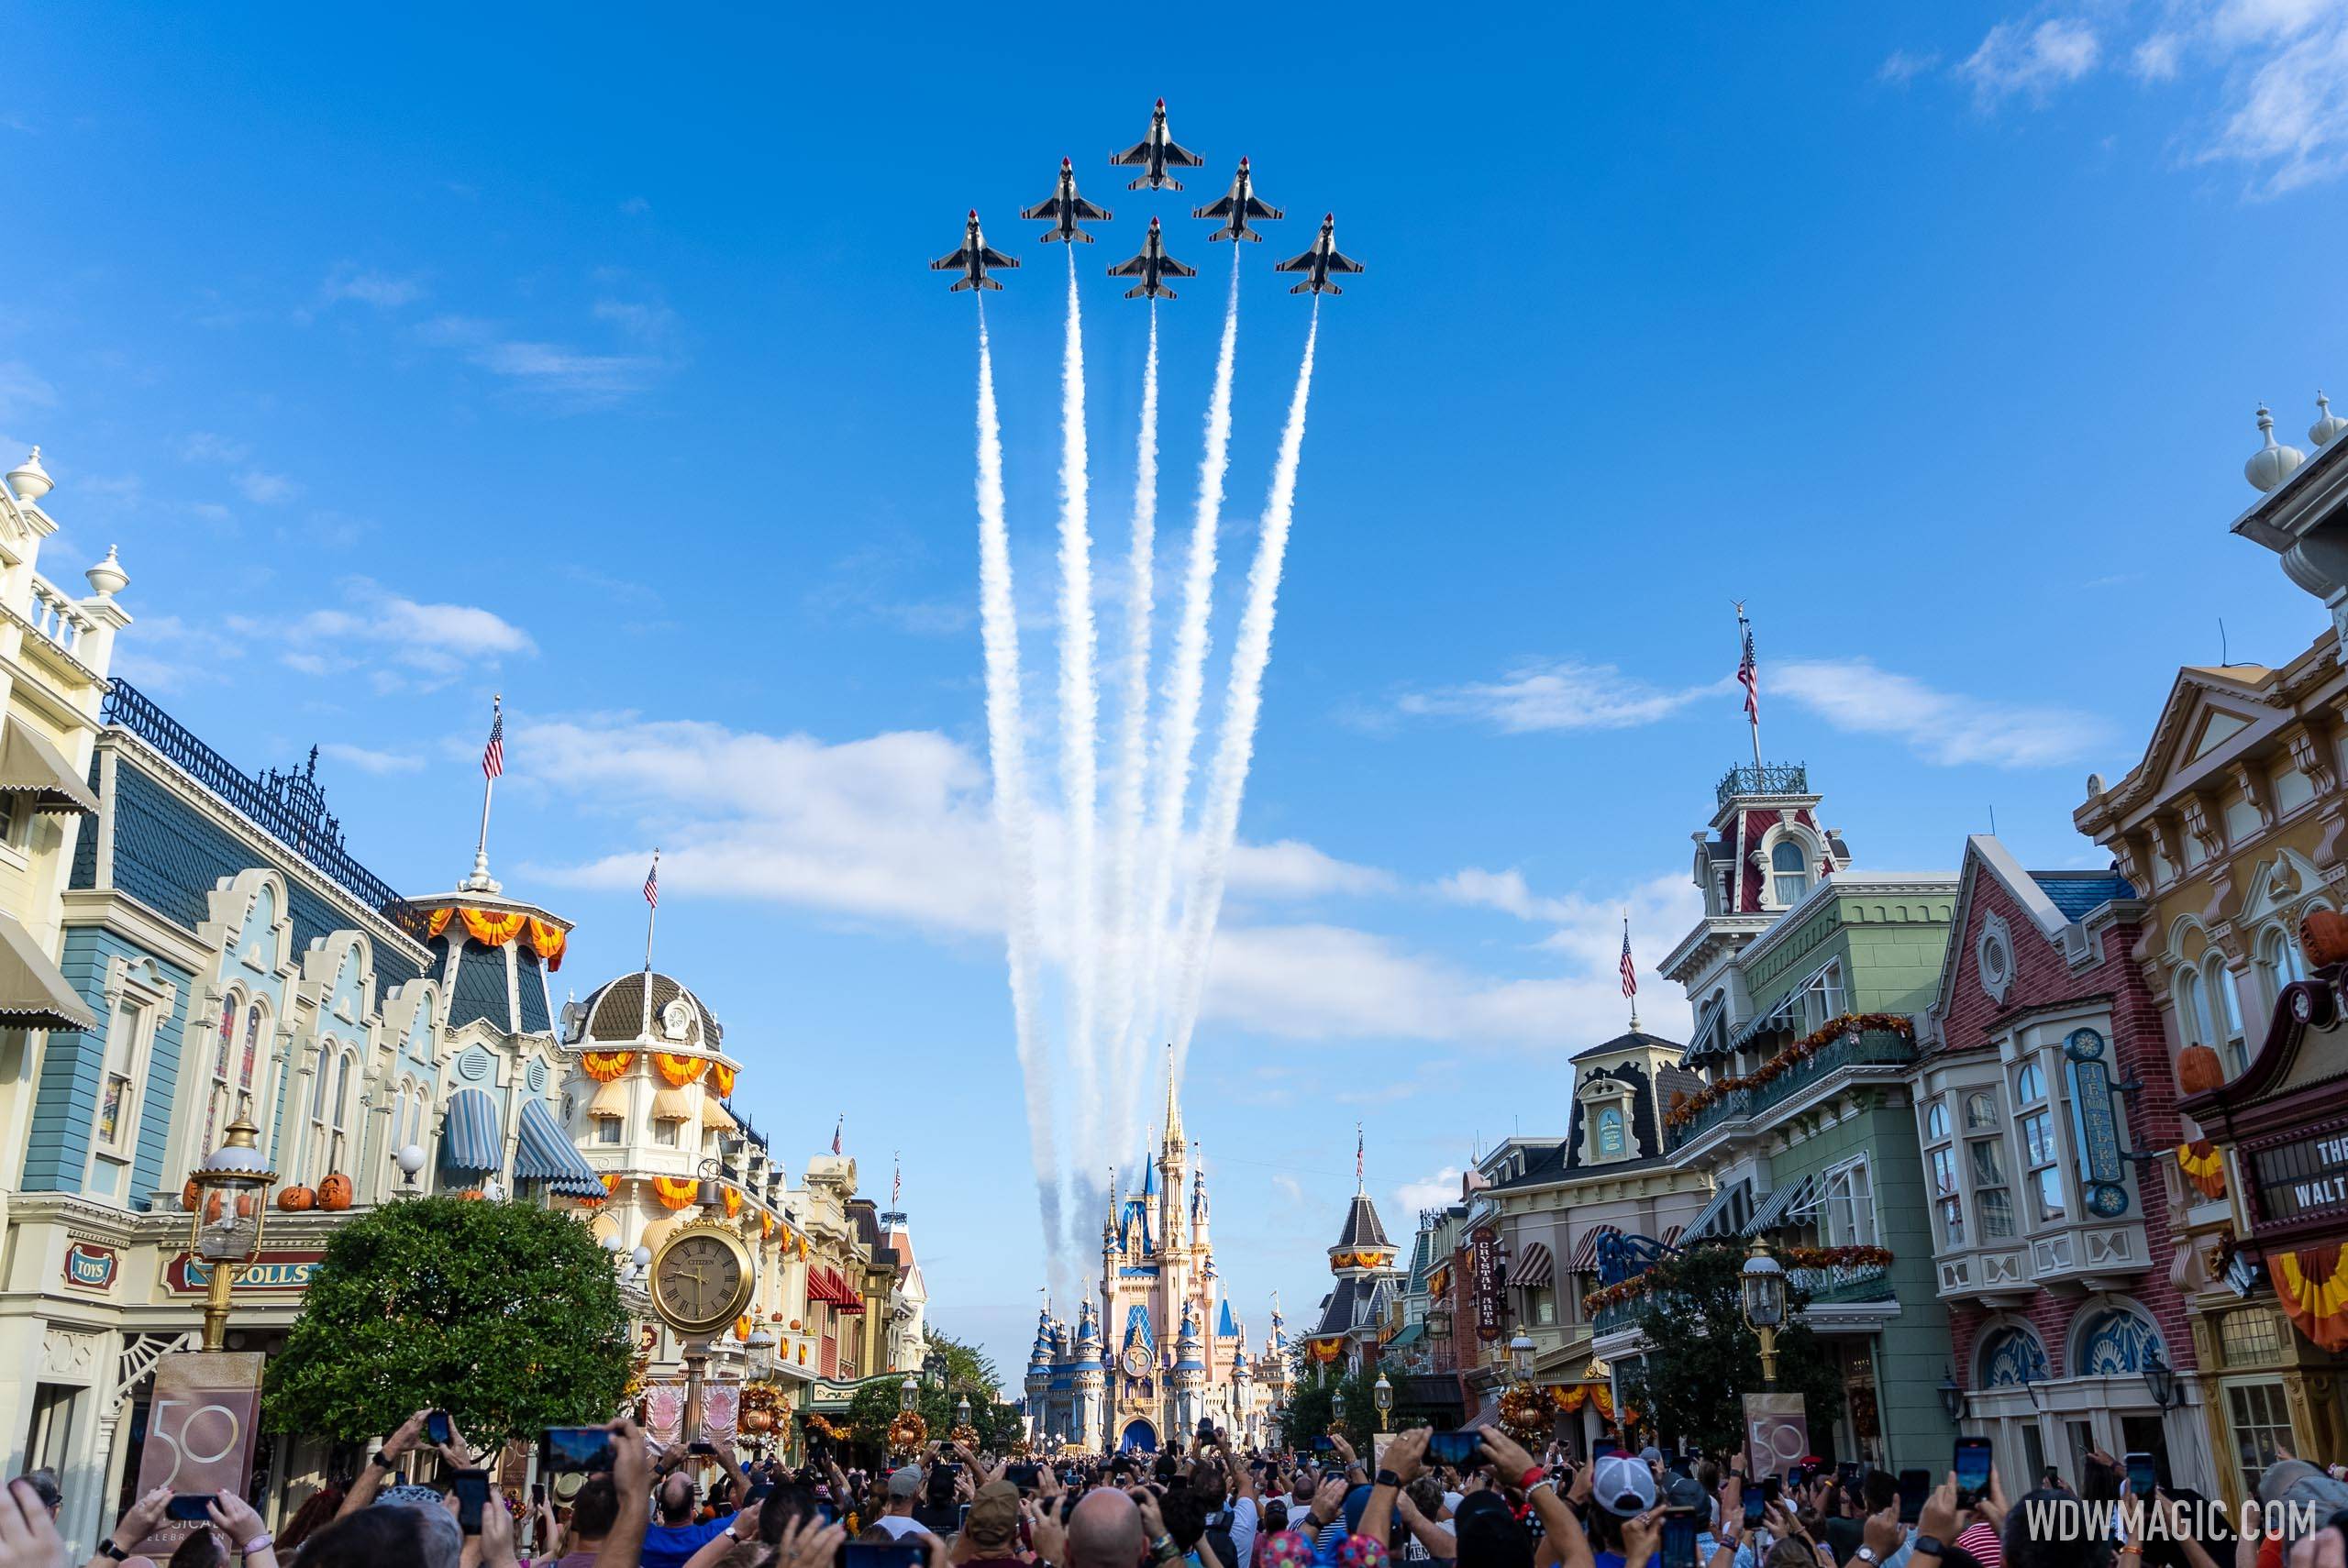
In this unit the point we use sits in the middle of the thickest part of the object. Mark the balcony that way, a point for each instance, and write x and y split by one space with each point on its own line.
1842 1284
1774 778
1618 1316
1733 1106
1866 1048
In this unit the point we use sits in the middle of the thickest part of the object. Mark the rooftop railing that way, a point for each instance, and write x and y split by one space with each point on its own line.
1769 779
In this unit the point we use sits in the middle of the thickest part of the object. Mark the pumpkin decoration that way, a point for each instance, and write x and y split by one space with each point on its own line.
295 1199
188 1195
334 1193
214 1204
2323 937
2198 1070
471 1194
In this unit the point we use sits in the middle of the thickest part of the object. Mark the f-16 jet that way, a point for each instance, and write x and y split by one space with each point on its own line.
1236 208
1317 263
973 259
1066 209
1155 153
1152 265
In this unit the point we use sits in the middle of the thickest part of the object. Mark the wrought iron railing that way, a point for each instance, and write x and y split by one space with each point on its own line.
1843 1283
1733 1106
1867 1048
1770 778
289 807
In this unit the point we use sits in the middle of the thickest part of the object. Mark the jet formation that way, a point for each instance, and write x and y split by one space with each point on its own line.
1064 211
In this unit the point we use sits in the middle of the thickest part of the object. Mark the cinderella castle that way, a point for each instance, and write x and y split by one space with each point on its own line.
1142 1366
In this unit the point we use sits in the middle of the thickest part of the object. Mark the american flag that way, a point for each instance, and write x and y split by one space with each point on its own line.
1630 970
492 755
835 1132
652 882
1748 675
1358 1154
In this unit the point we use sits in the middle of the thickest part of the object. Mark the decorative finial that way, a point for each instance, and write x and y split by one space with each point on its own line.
2274 462
2328 425
108 578
29 481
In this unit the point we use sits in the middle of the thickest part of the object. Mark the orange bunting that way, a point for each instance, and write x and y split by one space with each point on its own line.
606 1066
2204 1166
678 1071
676 1192
438 921
722 1077
733 1202
493 928
742 1327
766 1223
611 1183
550 943
2313 1289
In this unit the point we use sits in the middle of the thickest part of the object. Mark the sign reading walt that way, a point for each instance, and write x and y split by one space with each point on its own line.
2306 1177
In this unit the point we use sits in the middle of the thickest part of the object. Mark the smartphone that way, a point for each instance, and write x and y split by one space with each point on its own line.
1453 1448
471 1487
1846 1471
1757 1506
1972 1469
1324 1445
697 1446
1771 1488
1794 1477
909 1553
2143 1480
1915 1486
190 1507
537 1494
1678 1538
1022 1475
436 1428
578 1450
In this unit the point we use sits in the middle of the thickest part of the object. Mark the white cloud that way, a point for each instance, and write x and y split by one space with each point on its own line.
166 654
1428 1192
1902 66
2292 119
1565 694
21 391
210 447
1291 869
2155 59
558 373
1942 727
2018 57
369 761
363 286
265 489
401 644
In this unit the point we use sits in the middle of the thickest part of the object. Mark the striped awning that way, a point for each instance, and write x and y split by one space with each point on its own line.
31 766
543 1153
610 1100
673 1105
1784 1206
1718 1218
714 1114
33 992
471 1143
1534 1266
1670 1237
1585 1258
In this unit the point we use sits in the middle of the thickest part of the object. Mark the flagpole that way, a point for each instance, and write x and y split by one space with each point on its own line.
1752 703
1631 979
651 912
481 880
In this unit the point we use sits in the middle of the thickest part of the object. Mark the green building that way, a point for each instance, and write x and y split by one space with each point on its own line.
1805 977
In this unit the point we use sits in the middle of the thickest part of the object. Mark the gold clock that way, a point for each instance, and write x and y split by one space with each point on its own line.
701 1279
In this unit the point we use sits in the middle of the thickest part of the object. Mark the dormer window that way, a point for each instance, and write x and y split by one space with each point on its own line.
1610 1131
1788 873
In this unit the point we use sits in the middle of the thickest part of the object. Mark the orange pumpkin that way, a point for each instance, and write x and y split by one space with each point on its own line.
248 1205
2198 1070
471 1194
294 1199
334 1193
188 1195
214 1204
2323 936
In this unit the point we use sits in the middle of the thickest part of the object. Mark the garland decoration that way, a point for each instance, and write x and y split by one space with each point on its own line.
821 1426
1526 1413
1685 1111
2204 1166
676 1192
678 1071
722 1077
1021 1447
907 1432
606 1066
967 1436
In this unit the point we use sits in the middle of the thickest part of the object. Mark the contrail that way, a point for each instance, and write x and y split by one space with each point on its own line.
1133 760
1080 742
1013 813
1178 732
1236 745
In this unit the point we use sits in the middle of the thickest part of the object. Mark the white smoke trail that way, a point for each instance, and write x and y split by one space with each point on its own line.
1014 812
1178 732
1079 754
1236 745
1133 761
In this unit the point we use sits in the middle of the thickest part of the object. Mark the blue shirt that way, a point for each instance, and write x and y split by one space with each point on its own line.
668 1546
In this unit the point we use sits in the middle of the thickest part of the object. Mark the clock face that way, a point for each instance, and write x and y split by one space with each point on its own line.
699 1283
1136 1361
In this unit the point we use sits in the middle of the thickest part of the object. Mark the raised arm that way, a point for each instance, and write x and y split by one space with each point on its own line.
1557 1521
372 1474
632 1480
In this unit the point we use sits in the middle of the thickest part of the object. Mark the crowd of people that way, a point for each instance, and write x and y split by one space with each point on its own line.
697 1507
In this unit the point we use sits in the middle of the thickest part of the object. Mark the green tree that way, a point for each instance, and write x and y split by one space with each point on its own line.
1702 1357
506 1315
1311 1404
969 1369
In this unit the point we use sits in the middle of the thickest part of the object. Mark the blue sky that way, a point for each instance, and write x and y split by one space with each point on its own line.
594 360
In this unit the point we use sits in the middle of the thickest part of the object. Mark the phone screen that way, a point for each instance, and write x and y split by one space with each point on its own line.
190 1506
436 1425
578 1450
883 1555
1915 1486
1972 1469
1324 1445
1757 1506
1679 1538
1452 1448
2142 1478
471 1487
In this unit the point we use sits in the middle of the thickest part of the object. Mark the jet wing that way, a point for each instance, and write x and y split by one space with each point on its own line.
1182 158
1214 209
1173 268
1256 209
994 258
1133 269
1049 207
1087 212
959 259
1341 262
1139 153
1296 263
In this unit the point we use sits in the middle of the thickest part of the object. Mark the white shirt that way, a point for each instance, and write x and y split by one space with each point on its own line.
900 1525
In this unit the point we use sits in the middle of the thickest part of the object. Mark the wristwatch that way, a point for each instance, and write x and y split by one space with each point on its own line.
1924 1545
1388 1479
106 1548
383 1456
1865 1554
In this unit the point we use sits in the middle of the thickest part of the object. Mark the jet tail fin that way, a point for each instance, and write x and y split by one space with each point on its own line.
957 285
1051 235
1217 236
1163 291
988 283
1080 234
1306 288
1163 182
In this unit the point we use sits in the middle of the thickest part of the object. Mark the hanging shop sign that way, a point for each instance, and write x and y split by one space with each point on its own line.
2095 1132
2306 1177
90 1266
1484 1280
270 1273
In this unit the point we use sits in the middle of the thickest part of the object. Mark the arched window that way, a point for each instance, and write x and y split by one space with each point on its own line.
1788 873
2279 963
2192 1010
216 1098
1937 1121
2042 1151
1980 1111
2226 1014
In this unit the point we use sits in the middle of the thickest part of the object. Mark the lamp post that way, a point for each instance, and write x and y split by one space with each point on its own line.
2160 1378
1764 1285
410 1160
1384 1393
231 1207
909 1392
1337 1405
1520 1357
1951 1397
962 1411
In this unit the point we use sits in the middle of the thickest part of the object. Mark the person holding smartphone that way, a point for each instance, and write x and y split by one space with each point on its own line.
676 1537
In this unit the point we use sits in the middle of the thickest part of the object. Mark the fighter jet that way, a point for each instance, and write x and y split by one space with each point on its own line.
1156 152
1151 265
1066 209
973 259
1236 208
1317 263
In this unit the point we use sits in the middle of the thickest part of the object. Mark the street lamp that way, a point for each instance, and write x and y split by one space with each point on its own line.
410 1160
933 1367
909 1392
232 1206
1520 1356
1337 1405
1764 1306
962 1411
1384 1393
2161 1379
1951 1397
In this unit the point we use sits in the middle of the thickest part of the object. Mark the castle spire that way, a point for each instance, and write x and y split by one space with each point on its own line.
1173 1105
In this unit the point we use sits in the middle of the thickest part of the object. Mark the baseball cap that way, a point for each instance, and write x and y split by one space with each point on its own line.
1652 1454
906 1483
993 1524
1623 1486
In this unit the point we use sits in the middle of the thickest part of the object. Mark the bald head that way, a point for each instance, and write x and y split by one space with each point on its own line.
1105 1531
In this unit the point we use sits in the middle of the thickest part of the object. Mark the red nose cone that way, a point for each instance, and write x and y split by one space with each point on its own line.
1153 223
974 212
1161 102
1328 217
1243 163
